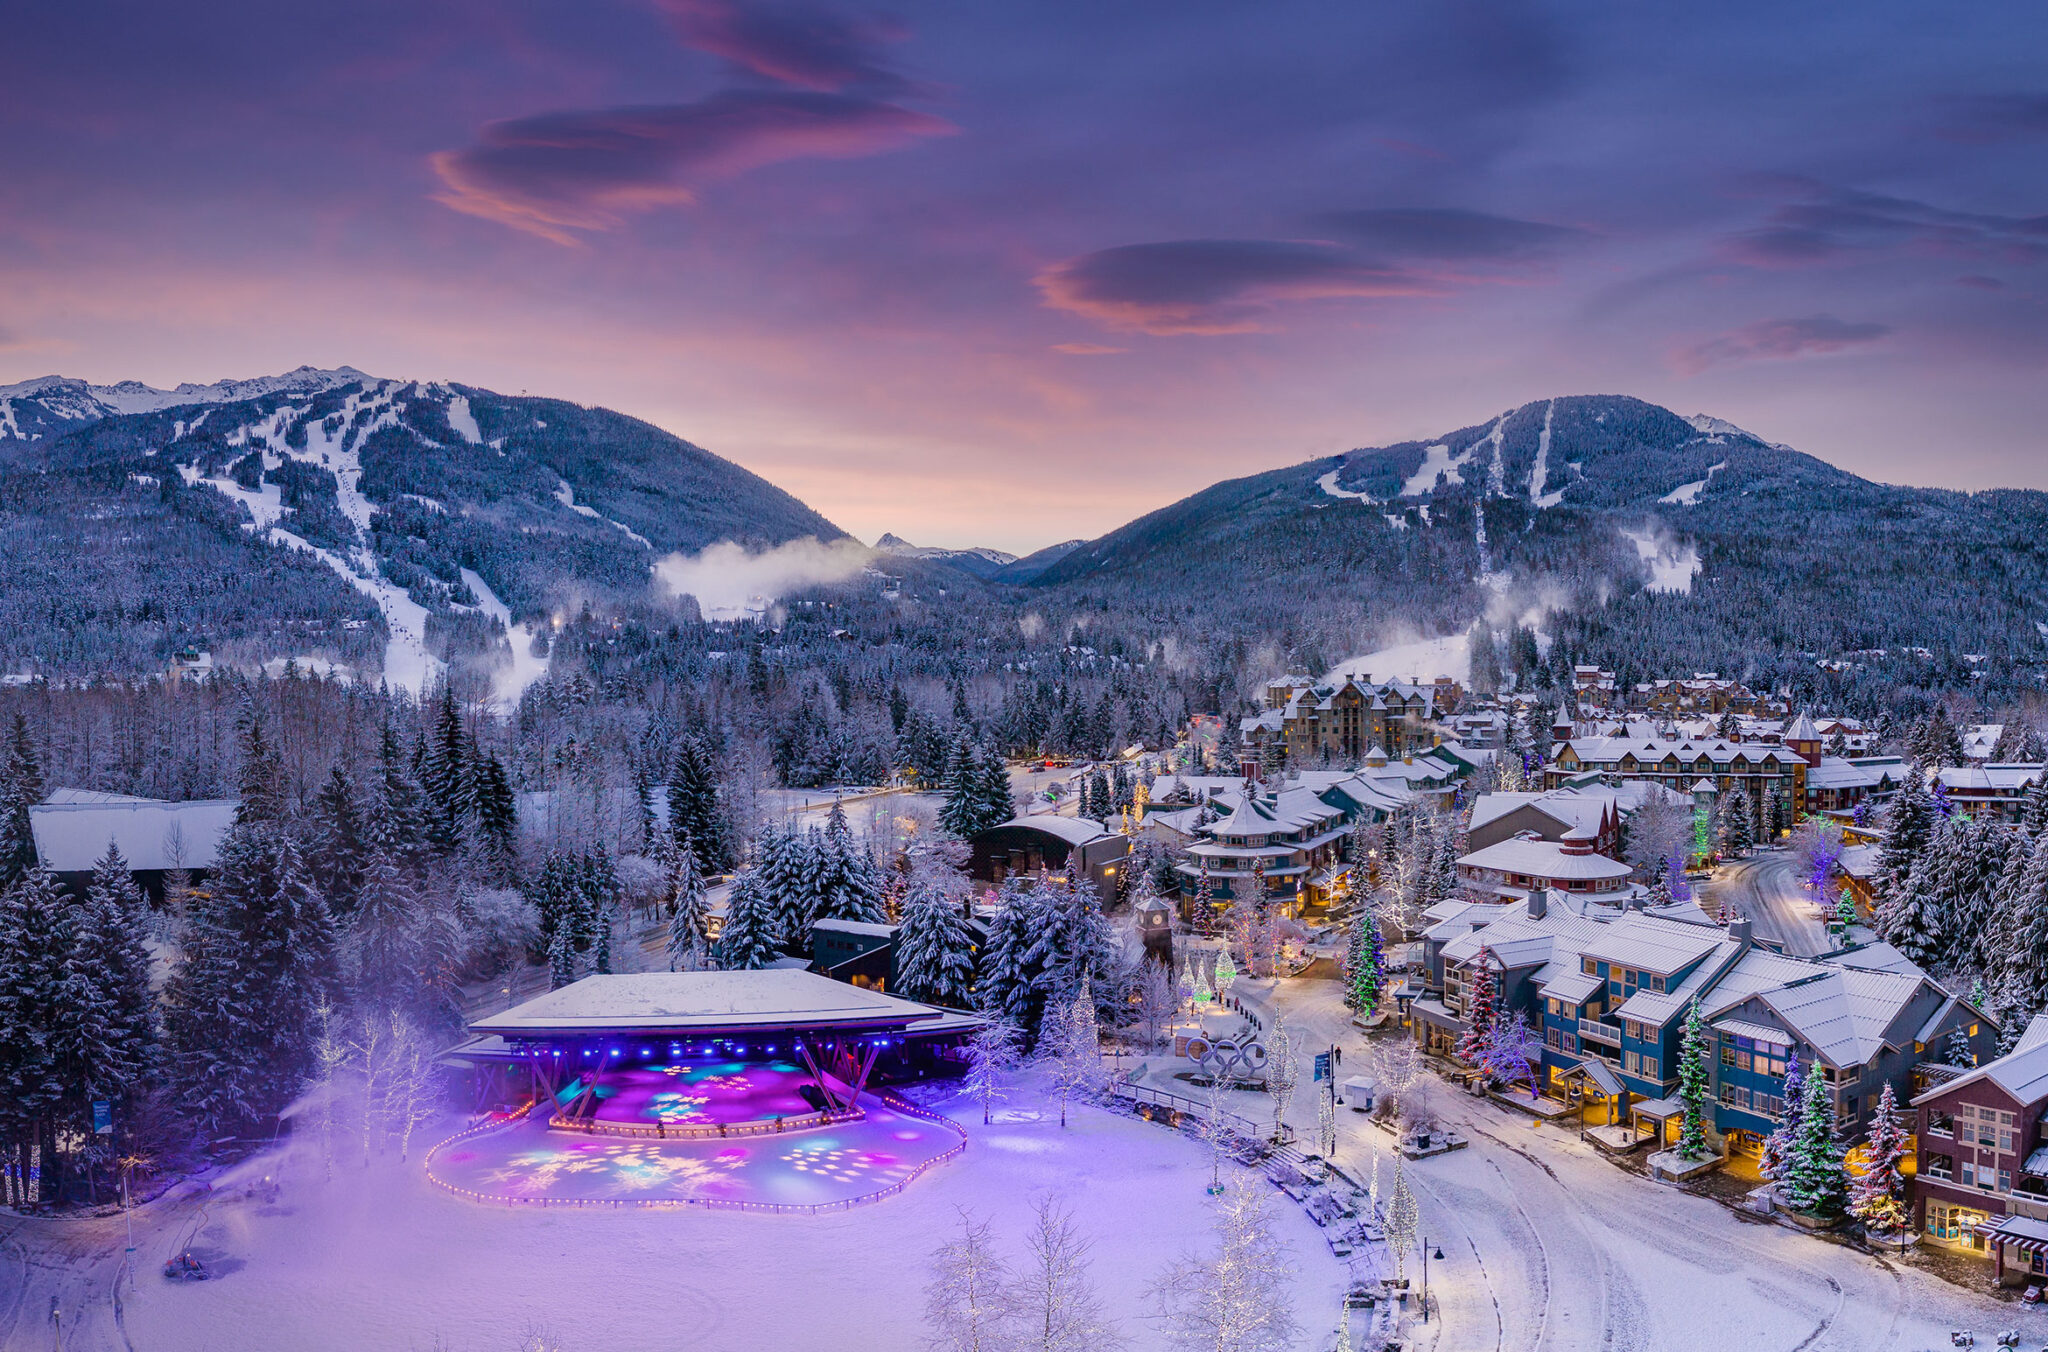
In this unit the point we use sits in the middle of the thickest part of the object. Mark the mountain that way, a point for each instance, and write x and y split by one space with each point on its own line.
1651 541
1033 565
50 405
391 526
977 562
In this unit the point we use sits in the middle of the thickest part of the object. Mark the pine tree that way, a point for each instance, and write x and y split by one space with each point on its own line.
35 942
121 909
997 805
1071 945
240 1012
561 959
2018 958
1693 1090
497 820
397 822
1006 979
851 885
961 814
260 780
1736 815
338 848
935 943
696 809
689 919
1480 999
447 777
1365 963
1909 824
1878 1197
746 942
1919 919
87 1045
20 789
1814 1180
382 948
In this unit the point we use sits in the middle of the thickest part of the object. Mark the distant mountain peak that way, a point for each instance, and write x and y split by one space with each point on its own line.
981 562
48 405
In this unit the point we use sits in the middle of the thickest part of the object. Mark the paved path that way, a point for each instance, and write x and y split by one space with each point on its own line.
1550 1247
1766 889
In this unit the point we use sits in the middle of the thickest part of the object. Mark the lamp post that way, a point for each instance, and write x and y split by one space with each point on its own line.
1425 1275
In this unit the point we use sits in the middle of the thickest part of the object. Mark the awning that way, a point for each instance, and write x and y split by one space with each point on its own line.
2017 1232
1762 1032
1360 1084
1596 1070
2037 1163
1657 1110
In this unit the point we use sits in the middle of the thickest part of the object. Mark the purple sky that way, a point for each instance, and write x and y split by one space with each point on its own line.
1009 274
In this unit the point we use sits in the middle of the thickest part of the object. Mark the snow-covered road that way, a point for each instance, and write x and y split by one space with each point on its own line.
1765 889
1549 1246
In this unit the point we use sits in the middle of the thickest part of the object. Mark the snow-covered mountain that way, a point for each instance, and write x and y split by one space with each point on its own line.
981 563
49 405
390 526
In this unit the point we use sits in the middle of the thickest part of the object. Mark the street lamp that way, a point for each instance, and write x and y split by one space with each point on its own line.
1426 1255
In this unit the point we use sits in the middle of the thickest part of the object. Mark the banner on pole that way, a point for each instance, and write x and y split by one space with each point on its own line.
102 1118
1322 1066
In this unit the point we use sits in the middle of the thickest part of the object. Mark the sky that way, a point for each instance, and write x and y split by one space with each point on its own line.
1009 274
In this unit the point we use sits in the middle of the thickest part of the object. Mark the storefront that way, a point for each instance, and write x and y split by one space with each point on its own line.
1957 1225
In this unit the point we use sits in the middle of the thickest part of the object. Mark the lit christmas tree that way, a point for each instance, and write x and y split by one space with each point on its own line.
1878 1197
1480 998
1692 1086
1814 1181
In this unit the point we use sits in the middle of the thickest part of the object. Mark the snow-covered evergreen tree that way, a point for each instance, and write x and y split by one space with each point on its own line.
1480 999
338 849
1007 979
2017 959
120 917
689 914
447 778
1814 1179
260 777
935 943
696 808
396 822
1908 825
561 959
1878 1196
1694 1049
850 884
240 1014
21 787
1071 944
1366 970
747 941
497 820
961 815
382 946
35 946
1737 824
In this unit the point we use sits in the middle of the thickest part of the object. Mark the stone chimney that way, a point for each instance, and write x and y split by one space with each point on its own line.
1739 931
1539 901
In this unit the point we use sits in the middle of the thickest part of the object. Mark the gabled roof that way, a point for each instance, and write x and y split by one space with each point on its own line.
1073 830
1544 859
1845 1014
2022 1072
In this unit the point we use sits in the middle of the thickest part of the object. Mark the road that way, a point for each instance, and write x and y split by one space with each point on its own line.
1549 1247
1766 889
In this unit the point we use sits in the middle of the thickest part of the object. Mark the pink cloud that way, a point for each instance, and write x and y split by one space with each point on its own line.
1779 340
556 173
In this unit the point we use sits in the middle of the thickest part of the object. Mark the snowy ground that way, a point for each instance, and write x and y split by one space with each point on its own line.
1422 660
1550 1247
380 1260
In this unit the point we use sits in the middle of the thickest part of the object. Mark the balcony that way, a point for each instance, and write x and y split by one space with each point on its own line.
1596 1031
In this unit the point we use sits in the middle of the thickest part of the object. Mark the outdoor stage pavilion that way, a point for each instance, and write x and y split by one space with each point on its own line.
677 1055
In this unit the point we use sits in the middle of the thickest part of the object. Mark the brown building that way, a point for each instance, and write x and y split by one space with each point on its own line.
1982 1181
1340 721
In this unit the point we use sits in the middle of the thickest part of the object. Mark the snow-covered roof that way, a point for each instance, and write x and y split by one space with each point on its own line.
2022 1072
1844 1013
1997 778
72 835
1660 946
703 1003
1862 772
92 798
861 927
1762 1032
1073 830
1875 957
1802 729
1544 859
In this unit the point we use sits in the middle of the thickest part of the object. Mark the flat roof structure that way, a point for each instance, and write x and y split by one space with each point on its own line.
706 1004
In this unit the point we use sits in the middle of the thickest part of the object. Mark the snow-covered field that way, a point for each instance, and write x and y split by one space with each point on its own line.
382 1260
1672 565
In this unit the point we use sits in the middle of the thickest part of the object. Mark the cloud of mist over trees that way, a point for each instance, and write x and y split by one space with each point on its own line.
727 578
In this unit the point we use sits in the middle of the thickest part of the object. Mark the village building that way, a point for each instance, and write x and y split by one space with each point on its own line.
73 827
1509 870
1338 722
1599 809
1981 1176
1988 790
1765 773
1049 844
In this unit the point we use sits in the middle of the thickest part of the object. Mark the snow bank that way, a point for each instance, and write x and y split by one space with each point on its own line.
508 683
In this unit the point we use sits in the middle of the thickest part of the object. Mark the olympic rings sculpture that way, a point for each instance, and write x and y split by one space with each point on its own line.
1228 1058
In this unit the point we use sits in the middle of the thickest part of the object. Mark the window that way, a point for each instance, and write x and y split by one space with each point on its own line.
1940 1123
1727 1055
1650 1068
1587 967
1942 1167
1727 1093
1968 1175
2005 1180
